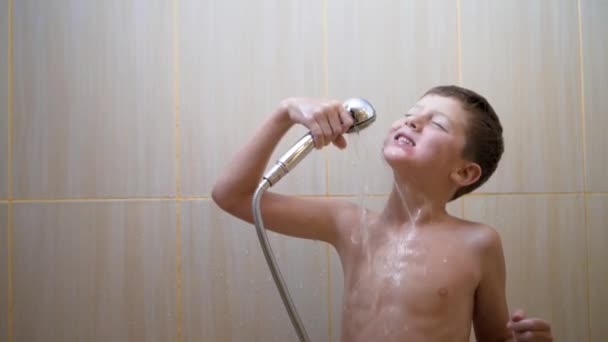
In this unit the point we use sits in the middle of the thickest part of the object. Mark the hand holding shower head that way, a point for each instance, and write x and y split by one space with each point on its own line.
363 115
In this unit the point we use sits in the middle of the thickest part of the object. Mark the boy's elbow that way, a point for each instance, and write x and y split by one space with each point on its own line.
220 196
227 200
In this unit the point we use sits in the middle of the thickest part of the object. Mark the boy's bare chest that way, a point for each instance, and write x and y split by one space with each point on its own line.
410 276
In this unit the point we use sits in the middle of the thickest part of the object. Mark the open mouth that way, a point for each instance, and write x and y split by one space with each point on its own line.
404 139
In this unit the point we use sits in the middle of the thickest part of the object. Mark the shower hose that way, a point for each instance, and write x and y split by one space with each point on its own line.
272 263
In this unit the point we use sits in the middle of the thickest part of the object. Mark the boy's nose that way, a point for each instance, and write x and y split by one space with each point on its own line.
412 124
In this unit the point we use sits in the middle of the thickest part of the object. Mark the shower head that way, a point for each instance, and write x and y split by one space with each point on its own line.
363 115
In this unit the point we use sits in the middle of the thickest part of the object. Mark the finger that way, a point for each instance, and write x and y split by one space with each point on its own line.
346 118
335 125
324 133
317 135
530 324
518 315
340 142
325 129
534 336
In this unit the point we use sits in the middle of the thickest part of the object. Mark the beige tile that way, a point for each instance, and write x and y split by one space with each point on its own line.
228 292
595 52
3 272
94 100
545 250
389 52
598 269
95 271
4 99
237 62
526 63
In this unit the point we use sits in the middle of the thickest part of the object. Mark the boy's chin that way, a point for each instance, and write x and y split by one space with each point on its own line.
397 158
400 164
406 163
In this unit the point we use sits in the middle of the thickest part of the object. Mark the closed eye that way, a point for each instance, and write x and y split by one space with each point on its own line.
437 124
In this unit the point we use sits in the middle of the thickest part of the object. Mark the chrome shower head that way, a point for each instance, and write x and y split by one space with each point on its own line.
362 111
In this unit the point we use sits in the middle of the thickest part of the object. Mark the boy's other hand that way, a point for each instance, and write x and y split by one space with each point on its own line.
529 329
327 120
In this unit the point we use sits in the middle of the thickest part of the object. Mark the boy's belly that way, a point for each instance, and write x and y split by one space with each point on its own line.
419 293
421 314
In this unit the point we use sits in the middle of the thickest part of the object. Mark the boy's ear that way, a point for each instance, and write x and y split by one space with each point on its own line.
467 174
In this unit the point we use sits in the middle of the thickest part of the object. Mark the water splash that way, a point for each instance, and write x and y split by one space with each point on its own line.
359 178
402 196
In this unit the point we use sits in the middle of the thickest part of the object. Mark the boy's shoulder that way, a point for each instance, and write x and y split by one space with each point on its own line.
482 236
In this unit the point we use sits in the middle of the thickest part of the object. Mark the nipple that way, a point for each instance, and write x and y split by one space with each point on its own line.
443 292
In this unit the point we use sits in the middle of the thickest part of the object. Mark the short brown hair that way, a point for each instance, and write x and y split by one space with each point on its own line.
484 143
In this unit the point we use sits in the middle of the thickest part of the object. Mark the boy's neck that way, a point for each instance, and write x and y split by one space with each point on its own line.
410 204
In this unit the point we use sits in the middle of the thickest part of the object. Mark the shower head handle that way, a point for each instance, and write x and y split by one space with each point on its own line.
363 114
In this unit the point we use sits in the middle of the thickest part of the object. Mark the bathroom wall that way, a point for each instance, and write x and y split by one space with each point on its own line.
117 117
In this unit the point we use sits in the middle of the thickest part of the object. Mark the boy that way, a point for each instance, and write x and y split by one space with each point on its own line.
412 272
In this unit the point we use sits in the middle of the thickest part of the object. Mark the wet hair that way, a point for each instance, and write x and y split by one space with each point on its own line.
484 143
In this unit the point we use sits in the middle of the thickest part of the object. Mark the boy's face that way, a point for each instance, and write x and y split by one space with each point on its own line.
430 137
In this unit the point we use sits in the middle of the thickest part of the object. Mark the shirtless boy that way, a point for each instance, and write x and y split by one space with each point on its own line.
411 271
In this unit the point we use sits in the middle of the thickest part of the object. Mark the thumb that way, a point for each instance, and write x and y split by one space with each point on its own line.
340 142
518 315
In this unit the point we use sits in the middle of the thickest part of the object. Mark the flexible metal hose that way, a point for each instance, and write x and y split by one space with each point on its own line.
272 263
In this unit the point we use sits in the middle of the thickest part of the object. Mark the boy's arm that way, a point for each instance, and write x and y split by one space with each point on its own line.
490 317
491 314
311 218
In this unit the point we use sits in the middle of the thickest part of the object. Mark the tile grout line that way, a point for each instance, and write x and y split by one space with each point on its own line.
325 80
584 146
93 199
205 198
325 63
178 261
526 194
459 59
9 251
9 237
459 40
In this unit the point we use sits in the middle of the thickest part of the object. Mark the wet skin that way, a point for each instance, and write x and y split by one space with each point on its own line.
409 282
